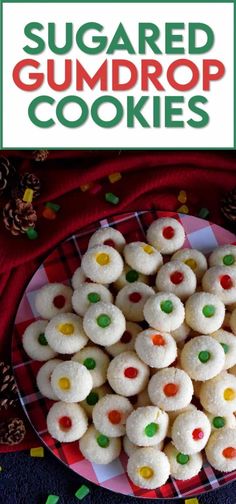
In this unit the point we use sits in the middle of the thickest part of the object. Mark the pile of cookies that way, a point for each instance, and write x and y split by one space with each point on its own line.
141 352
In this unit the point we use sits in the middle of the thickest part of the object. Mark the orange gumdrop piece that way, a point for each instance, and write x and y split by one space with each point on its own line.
158 340
114 417
229 452
170 389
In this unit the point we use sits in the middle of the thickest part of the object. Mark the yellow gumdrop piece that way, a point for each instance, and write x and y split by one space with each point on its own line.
28 195
191 263
229 394
148 249
103 259
66 329
146 472
64 383
182 197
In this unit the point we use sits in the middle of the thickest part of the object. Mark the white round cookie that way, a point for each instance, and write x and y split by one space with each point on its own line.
164 311
98 448
147 426
173 415
78 278
218 396
131 300
35 343
129 276
170 389
223 256
177 278
66 422
200 303
65 333
108 236
192 258
127 340
190 432
181 334
148 468
110 415
182 466
202 358
103 264
89 294
143 257
228 342
43 379
127 374
71 381
94 396
166 235
104 323
219 422
221 280
221 450
96 361
233 321
158 350
130 448
52 299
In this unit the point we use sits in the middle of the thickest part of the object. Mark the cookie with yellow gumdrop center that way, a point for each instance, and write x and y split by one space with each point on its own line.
65 333
218 395
102 264
192 258
148 468
71 381
143 257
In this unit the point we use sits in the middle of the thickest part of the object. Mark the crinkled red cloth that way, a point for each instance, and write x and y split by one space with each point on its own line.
149 179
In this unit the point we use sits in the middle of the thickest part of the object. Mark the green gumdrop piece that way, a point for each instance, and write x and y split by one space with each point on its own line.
228 260
151 429
89 363
42 340
167 306
204 356
218 422
92 398
132 276
103 441
208 311
182 458
225 347
103 320
94 297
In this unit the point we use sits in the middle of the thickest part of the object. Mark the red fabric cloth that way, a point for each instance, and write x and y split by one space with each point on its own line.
149 178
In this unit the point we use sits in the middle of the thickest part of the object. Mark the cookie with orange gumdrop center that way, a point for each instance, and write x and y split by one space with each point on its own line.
178 278
170 389
52 299
143 257
192 258
157 349
102 264
166 234
221 450
110 415
190 431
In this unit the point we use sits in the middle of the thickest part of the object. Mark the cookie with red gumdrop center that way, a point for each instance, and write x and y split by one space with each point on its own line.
127 374
166 235
164 311
143 257
148 468
43 379
178 278
204 312
102 264
221 450
190 432
96 361
65 333
170 389
127 340
52 299
108 236
35 342
131 300
147 426
221 280
156 349
110 415
89 294
104 323
202 358
192 258
66 422
223 256
98 448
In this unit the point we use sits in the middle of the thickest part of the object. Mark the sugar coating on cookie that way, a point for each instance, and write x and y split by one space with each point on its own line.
204 312
96 361
202 358
192 258
223 256
190 431
219 422
166 235
35 343
71 381
94 396
164 311
131 300
147 426
108 236
173 415
127 374
218 396
233 321
130 448
104 323
89 294
221 450
157 349
110 414
181 334
98 448
52 299
221 280
177 278
129 276
228 342
66 422
78 278
65 333
143 257
182 466
127 340
148 468
103 264
43 379
170 389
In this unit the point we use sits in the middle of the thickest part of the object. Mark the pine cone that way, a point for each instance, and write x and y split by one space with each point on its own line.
228 207
40 155
8 389
28 180
18 216
12 431
8 176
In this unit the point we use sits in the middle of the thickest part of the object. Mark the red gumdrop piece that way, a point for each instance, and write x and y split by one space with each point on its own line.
197 434
170 389
226 282
168 232
110 243
135 297
126 337
59 301
114 417
131 372
176 277
65 423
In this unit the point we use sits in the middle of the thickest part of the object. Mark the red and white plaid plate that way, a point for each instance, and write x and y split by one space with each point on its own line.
59 267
